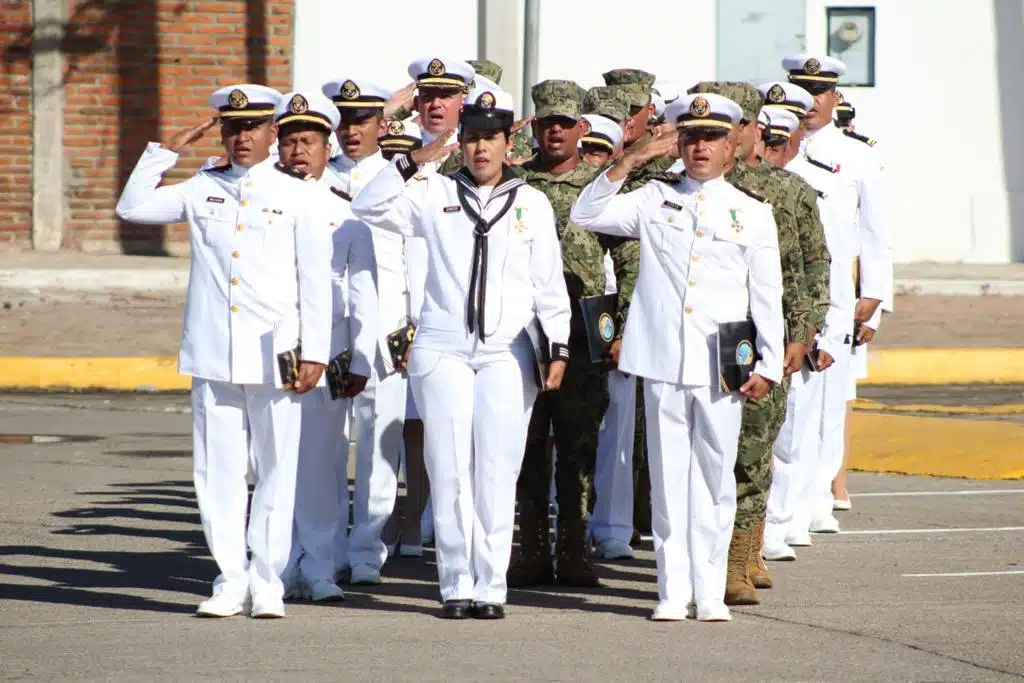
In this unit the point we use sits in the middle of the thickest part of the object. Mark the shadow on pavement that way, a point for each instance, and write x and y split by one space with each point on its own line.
114 574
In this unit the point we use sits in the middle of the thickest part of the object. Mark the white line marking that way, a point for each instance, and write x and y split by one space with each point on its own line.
880 532
954 574
984 492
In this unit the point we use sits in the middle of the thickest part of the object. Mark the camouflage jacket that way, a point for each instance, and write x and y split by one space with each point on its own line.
582 251
804 257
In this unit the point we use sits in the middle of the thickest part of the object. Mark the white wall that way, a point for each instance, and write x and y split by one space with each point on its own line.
949 150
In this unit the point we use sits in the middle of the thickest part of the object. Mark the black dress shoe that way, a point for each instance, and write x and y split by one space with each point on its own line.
488 610
456 609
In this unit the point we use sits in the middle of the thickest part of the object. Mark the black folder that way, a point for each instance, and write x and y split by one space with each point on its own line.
541 352
599 318
737 353
336 371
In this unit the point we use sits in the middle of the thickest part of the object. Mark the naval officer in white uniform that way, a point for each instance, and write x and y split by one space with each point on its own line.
305 121
259 285
380 410
494 269
857 166
707 250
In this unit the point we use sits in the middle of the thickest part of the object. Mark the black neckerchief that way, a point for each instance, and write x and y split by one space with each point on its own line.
466 189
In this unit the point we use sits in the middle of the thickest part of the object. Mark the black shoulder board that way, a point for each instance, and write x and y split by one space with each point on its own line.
341 193
860 138
751 193
822 164
219 169
292 172
821 194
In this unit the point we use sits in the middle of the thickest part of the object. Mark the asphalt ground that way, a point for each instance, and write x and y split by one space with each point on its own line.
102 563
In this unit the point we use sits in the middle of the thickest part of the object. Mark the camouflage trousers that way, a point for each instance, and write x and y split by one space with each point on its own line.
762 422
575 412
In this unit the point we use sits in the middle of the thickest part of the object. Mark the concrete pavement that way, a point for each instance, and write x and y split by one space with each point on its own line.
102 562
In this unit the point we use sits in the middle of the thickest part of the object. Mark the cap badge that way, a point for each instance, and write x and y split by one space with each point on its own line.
436 67
486 101
699 108
812 66
776 94
349 90
298 104
237 99
396 128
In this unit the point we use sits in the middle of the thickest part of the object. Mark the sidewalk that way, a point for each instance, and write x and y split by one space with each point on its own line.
76 271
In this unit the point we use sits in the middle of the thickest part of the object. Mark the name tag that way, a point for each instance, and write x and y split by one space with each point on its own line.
670 205
452 209
277 212
215 200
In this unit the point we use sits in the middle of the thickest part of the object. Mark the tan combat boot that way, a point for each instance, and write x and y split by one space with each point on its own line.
572 550
534 566
756 568
738 588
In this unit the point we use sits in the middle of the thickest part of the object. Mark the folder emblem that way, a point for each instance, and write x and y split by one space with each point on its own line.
606 327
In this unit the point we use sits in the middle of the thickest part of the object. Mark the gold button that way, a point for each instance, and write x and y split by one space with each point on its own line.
249 184
700 197
692 283
700 233
702 213
234 309
688 309
270 221
234 281
244 202
239 227
235 254
695 258
671 219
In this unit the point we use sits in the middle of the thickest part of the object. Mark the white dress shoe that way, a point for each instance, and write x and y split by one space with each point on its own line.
325 591
713 611
410 550
841 504
614 549
777 551
673 611
267 608
364 574
221 605
825 525
799 539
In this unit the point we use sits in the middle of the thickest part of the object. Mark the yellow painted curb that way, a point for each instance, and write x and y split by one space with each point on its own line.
113 374
945 366
938 447
1005 409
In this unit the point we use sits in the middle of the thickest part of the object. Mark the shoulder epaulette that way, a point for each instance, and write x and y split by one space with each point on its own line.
860 138
751 193
301 175
341 193
219 169
822 164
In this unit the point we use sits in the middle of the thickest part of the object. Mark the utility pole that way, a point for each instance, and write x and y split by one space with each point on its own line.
48 18
531 37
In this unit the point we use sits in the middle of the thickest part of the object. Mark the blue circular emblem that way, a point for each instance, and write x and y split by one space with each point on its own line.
744 353
606 326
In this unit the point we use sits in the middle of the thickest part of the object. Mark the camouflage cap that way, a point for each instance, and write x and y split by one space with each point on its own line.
486 68
556 98
743 94
609 101
635 82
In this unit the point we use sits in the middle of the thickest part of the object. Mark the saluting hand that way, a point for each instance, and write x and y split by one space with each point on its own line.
756 387
436 150
556 372
518 125
309 375
184 138
402 99
653 148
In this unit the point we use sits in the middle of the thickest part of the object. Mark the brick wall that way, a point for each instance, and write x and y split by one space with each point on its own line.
16 131
139 71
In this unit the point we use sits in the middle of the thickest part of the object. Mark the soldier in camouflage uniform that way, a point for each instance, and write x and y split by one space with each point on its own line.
636 85
805 279
575 410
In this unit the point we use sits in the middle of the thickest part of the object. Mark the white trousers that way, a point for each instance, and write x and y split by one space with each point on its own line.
613 474
799 458
380 416
235 426
476 404
832 434
320 545
692 437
